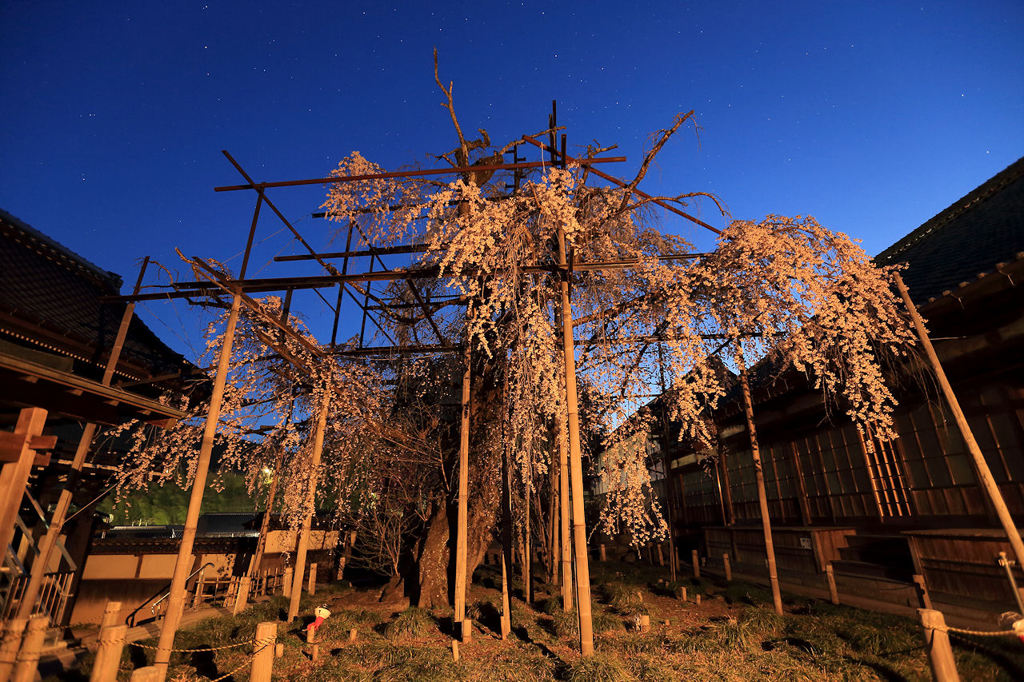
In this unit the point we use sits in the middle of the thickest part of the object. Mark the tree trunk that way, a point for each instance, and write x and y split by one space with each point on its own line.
435 567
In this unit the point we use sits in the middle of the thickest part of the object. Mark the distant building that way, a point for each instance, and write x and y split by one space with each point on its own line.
912 506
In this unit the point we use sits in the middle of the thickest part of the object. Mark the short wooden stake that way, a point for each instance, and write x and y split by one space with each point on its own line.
645 623
696 600
922 591
31 645
455 651
695 560
241 595
311 587
150 673
286 585
278 650
108 654
940 653
266 648
314 647
682 593
728 567
13 631
833 591
602 552
352 634
466 630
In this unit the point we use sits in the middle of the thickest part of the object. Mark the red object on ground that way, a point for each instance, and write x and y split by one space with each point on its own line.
315 624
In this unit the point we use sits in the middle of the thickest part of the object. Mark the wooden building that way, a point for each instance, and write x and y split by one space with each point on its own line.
58 334
912 506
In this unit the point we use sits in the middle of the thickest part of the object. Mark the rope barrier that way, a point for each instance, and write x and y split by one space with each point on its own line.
980 633
265 643
261 644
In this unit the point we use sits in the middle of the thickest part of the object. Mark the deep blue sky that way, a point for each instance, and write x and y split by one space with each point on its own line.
871 117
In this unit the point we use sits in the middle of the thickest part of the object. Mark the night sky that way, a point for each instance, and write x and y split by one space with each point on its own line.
872 117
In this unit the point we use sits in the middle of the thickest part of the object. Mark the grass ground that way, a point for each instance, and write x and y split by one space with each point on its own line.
733 635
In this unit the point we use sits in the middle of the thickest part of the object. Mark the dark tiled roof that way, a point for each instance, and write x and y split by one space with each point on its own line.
969 238
50 298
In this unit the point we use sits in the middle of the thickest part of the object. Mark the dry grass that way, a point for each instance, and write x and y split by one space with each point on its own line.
718 640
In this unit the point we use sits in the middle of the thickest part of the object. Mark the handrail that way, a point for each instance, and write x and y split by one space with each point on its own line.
152 607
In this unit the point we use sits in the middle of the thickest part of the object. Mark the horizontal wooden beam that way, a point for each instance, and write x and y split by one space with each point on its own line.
411 174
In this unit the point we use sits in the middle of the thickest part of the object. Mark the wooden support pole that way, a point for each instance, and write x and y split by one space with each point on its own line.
263 659
311 584
307 522
988 483
553 525
461 539
183 564
241 595
563 513
579 523
314 646
108 653
762 496
286 582
527 536
455 651
666 458
350 541
31 646
830 577
727 565
695 560
940 653
13 630
14 475
53 531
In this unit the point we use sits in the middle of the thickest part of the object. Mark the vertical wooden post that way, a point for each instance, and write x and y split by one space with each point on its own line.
803 502
13 630
506 527
176 597
988 484
695 560
311 584
350 541
666 458
727 566
241 595
762 496
940 653
554 551
602 552
108 653
263 659
307 522
314 647
14 475
527 550
579 523
49 539
461 538
563 512
31 645
833 591
286 582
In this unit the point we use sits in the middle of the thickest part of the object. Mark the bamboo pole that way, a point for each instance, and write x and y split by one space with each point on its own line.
461 539
988 483
554 549
762 496
667 464
31 646
307 522
563 514
527 551
506 531
579 523
49 539
13 630
183 564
